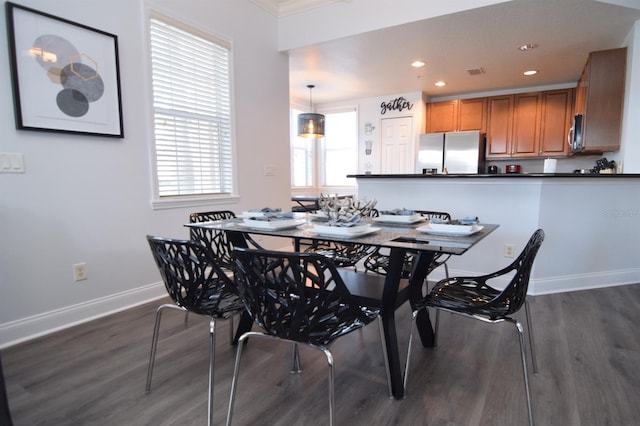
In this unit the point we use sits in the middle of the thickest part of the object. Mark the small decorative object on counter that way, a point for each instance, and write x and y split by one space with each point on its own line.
513 168
604 166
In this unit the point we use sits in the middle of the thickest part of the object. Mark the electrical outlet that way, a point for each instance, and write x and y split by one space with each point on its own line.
79 271
509 250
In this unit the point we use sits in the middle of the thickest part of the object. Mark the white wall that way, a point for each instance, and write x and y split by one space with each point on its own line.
87 199
630 150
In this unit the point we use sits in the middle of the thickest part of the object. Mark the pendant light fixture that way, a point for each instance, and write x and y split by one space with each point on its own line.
310 125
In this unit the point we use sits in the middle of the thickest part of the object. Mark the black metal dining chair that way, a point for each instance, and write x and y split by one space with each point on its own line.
473 297
299 298
378 260
196 283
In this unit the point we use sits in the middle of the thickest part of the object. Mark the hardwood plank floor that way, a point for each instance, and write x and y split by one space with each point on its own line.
588 352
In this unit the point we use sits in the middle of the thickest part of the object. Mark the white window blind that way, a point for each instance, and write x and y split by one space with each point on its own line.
192 112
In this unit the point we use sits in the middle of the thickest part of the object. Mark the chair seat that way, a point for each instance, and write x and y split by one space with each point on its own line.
218 305
468 296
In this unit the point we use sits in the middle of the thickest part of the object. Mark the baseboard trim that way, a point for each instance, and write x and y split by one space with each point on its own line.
22 330
584 281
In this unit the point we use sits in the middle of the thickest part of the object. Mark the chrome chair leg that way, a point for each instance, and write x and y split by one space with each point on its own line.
534 362
385 356
296 363
405 378
212 360
331 386
234 381
435 329
525 371
154 341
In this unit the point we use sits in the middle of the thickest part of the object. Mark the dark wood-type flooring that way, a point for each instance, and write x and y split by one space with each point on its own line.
588 348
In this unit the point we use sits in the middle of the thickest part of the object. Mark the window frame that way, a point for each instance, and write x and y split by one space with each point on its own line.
318 154
176 201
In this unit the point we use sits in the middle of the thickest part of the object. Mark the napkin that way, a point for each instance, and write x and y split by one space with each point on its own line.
469 220
265 210
438 220
397 212
273 215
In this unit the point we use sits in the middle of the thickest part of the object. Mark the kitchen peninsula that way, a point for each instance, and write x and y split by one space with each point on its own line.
591 221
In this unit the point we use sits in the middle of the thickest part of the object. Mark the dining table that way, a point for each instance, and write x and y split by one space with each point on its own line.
398 238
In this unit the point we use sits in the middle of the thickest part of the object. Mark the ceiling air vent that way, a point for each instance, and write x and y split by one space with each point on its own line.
475 71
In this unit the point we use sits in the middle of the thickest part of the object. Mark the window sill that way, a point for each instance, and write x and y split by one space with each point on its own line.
179 202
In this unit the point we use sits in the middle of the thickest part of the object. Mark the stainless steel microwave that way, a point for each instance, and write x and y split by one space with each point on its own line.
575 134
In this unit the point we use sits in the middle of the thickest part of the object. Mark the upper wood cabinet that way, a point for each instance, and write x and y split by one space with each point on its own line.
557 107
527 109
457 115
600 99
499 124
529 124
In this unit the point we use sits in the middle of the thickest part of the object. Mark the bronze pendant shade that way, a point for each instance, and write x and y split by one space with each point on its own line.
310 125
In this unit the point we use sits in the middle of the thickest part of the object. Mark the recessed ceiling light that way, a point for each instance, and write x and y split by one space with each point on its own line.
417 64
527 47
530 72
440 83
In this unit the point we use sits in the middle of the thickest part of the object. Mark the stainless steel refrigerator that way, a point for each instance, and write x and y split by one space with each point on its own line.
455 152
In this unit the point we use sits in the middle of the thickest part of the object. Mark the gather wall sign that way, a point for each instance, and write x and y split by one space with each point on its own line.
398 104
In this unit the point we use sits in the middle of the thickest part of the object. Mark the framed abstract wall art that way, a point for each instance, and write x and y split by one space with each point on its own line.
65 75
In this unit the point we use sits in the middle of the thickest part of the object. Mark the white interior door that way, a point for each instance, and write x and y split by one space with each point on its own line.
397 145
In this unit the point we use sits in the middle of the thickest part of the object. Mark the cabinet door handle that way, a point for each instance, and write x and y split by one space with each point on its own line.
570 137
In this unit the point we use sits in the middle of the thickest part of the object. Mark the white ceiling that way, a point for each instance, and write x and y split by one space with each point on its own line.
377 63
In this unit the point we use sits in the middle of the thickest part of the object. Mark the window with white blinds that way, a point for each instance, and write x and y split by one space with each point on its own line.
192 111
302 155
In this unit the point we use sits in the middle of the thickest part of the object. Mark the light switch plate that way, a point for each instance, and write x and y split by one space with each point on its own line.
269 170
11 162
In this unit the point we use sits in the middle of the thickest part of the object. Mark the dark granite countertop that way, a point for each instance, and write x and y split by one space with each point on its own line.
497 176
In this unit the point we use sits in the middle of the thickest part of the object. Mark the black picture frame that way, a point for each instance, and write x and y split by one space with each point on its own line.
65 75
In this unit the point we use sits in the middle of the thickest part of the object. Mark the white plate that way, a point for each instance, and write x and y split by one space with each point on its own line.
343 231
392 218
453 230
273 225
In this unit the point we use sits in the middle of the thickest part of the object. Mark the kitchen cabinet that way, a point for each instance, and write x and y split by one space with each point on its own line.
499 124
529 124
557 108
527 115
600 99
457 115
